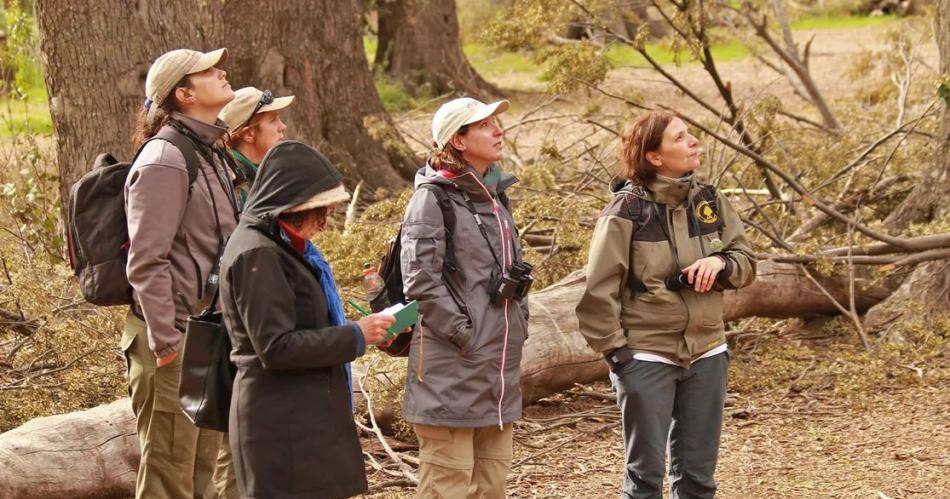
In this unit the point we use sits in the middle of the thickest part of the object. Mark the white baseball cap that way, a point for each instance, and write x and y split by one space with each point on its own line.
457 113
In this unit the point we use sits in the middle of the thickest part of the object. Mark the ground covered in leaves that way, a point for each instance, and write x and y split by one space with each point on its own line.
808 415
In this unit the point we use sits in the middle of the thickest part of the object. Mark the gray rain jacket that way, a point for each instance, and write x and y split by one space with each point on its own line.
464 362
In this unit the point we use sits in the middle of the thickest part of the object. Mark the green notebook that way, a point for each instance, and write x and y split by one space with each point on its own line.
406 315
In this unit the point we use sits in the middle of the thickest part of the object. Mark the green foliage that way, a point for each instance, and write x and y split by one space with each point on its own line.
572 66
943 88
30 199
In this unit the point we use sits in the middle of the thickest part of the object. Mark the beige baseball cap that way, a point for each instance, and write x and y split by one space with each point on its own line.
171 67
457 113
239 111
333 195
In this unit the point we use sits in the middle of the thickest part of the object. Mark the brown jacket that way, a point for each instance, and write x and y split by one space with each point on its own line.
173 240
635 309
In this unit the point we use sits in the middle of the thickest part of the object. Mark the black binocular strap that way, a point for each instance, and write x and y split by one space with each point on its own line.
481 228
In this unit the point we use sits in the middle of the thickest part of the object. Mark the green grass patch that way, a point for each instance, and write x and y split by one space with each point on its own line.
623 55
840 22
492 62
394 94
26 113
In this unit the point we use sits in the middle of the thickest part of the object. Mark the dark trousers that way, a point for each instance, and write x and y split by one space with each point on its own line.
659 403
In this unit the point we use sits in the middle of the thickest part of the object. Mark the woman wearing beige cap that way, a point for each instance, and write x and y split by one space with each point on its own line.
463 387
180 210
254 126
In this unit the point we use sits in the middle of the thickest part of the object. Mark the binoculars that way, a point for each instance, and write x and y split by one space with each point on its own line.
513 284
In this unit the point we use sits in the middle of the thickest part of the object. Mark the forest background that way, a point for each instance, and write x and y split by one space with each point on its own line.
825 121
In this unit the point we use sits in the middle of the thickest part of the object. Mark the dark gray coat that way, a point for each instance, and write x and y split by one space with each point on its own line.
291 426
455 375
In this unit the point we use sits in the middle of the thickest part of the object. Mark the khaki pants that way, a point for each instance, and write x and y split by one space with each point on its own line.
178 458
459 463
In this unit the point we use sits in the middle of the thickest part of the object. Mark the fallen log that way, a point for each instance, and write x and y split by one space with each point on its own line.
94 453
91 453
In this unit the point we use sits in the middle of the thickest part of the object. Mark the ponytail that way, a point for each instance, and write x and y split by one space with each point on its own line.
147 127
449 158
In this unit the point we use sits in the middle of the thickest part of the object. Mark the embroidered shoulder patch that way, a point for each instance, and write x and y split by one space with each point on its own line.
705 213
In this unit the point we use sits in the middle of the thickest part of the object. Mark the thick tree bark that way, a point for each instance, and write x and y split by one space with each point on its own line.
419 44
98 52
925 294
94 453
314 50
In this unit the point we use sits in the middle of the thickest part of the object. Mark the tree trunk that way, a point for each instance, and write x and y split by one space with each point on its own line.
98 52
419 45
926 292
94 453
314 50
97 55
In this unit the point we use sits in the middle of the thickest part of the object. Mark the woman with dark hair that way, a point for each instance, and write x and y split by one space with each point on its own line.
463 386
291 423
662 251
179 217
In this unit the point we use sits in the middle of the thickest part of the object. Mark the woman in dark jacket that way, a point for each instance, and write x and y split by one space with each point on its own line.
291 425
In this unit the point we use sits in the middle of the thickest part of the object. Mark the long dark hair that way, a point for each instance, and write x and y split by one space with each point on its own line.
145 128
638 138
449 158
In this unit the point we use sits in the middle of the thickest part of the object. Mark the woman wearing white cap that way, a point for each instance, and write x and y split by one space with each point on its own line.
463 385
254 126
178 219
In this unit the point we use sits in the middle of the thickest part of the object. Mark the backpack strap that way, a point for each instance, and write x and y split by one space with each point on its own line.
187 148
634 208
448 218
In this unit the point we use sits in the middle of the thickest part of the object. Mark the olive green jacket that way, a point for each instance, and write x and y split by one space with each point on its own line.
640 228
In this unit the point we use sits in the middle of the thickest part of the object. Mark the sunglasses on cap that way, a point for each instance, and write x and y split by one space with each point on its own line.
267 97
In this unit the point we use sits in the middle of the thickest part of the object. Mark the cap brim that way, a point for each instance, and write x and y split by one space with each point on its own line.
278 104
493 109
208 60
337 194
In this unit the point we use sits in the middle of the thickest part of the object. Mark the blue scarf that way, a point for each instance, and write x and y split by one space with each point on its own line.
334 303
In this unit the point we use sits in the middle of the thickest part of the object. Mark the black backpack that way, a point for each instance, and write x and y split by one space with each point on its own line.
97 231
391 271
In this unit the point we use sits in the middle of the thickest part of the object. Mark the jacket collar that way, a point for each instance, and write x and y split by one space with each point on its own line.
494 181
671 191
206 132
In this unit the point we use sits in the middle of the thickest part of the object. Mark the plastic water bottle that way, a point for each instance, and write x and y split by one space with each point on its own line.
372 282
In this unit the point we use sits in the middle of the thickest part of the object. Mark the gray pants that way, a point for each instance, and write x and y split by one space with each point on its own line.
651 396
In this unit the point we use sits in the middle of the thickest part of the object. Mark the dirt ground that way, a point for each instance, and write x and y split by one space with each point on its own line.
887 442
775 444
